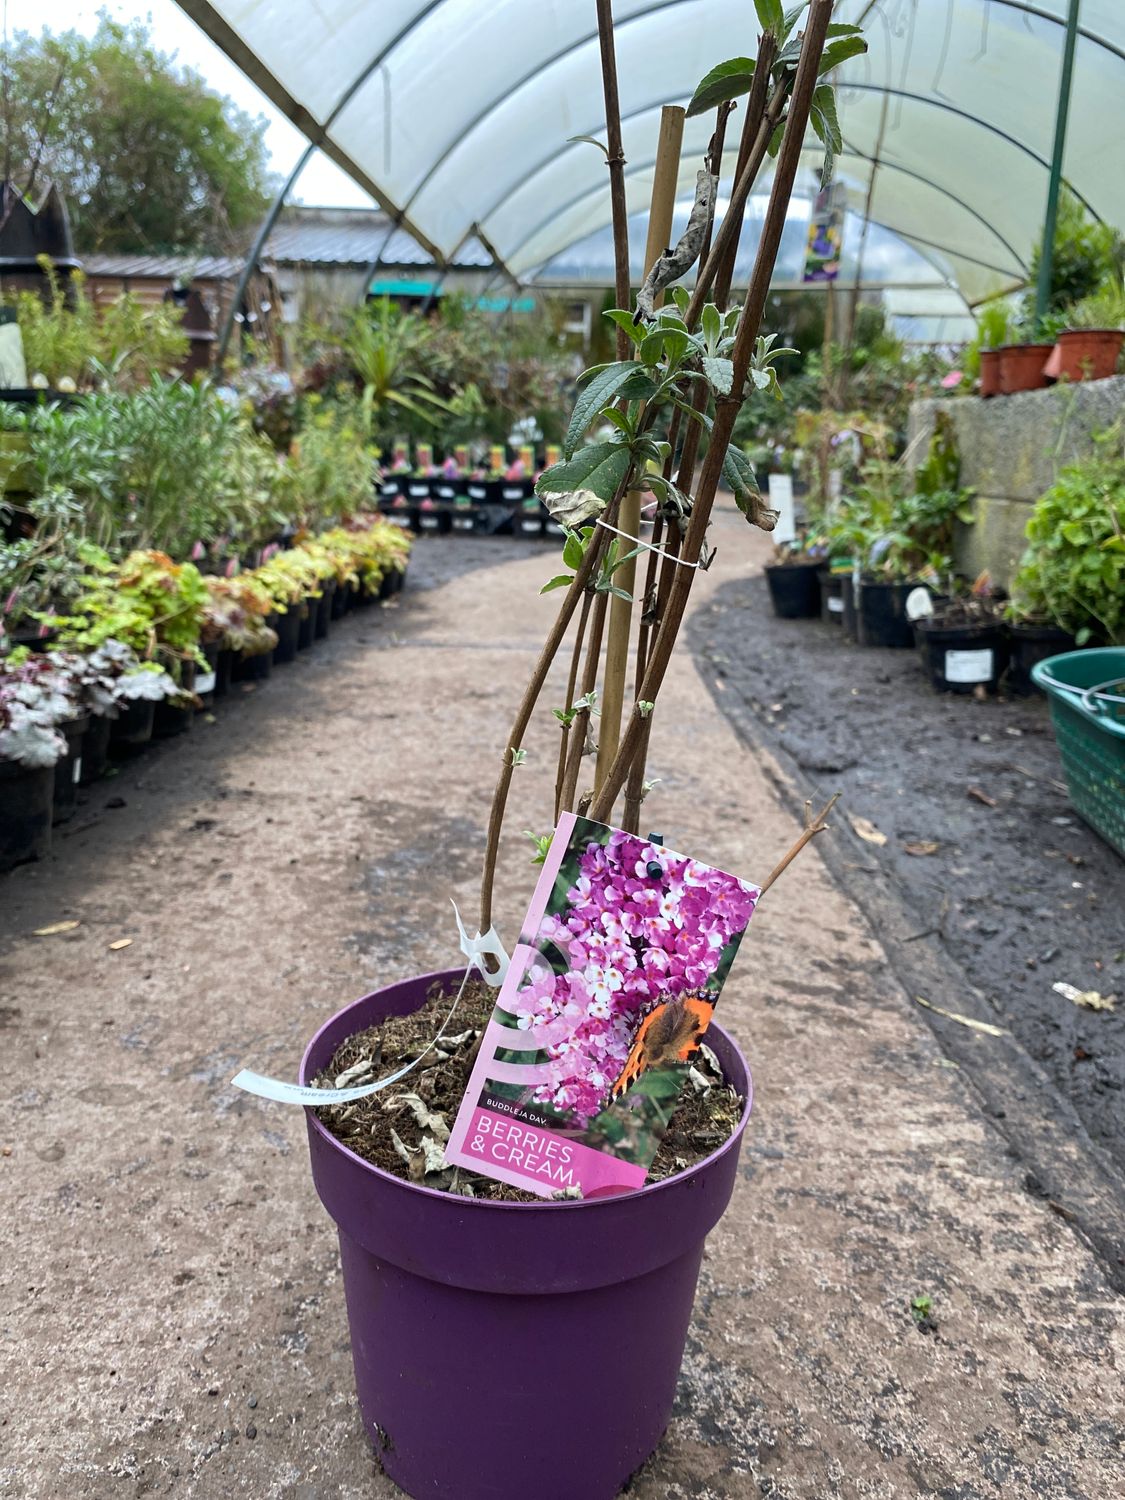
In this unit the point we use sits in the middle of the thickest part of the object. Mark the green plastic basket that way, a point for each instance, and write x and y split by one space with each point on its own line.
1086 690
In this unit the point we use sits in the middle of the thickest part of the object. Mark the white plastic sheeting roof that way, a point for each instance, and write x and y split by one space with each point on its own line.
456 114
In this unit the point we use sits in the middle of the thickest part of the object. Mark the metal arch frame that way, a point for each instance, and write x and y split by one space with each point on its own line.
635 169
560 151
495 103
1024 9
228 41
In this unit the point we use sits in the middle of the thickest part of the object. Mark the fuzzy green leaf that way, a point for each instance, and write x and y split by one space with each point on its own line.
727 81
839 51
581 488
720 374
560 581
601 389
624 319
771 16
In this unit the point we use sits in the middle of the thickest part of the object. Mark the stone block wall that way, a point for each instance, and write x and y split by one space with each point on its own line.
1011 449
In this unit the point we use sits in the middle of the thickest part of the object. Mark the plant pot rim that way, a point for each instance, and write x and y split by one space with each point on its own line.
1008 348
932 626
466 1205
1085 333
798 562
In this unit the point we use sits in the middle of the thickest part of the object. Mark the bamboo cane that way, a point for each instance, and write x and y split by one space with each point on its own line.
664 183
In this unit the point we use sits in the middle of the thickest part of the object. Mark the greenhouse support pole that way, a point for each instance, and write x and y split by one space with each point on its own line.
250 265
1046 258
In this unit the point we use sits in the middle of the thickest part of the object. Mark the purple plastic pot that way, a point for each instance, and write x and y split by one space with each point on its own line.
508 1350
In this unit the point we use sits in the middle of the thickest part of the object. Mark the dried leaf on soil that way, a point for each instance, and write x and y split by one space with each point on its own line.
955 1015
979 796
428 1118
56 927
922 846
1086 999
867 830
120 943
354 1073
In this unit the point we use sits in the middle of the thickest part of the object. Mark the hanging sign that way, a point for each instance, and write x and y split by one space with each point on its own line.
826 235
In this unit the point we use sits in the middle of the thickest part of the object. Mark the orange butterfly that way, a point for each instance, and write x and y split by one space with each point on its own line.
670 1033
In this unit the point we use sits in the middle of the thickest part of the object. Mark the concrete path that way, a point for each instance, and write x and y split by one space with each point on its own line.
171 1315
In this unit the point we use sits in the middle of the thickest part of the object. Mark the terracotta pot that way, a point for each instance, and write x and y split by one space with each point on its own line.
1022 367
989 372
1085 354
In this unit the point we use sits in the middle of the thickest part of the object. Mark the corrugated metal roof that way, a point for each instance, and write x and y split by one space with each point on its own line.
164 267
309 237
354 237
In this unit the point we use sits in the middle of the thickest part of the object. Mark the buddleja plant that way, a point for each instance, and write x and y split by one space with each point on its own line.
679 380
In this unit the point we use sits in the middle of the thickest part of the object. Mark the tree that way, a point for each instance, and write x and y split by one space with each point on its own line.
148 157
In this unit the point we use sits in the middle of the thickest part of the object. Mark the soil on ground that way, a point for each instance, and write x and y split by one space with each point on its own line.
403 1130
981 841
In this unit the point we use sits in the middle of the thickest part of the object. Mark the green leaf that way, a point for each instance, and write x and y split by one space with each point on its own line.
720 374
771 16
775 139
727 81
624 319
589 140
560 581
825 120
582 488
711 321
601 389
696 416
639 386
738 472
573 550
839 51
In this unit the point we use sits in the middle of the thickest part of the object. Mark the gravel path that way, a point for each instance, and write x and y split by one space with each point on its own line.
171 1313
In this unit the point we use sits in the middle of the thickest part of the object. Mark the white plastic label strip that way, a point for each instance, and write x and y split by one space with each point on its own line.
299 1093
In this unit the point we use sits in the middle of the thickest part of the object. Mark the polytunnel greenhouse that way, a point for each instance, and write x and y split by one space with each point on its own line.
562 660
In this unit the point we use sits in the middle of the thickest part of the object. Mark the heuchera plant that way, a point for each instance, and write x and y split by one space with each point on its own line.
38 693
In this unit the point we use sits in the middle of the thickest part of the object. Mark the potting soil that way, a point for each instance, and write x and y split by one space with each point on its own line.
402 1129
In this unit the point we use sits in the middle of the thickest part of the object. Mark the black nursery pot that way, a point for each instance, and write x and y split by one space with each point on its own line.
849 617
224 670
27 795
68 769
324 608
288 627
881 613
960 658
341 601
306 624
794 590
1027 645
132 731
831 596
95 749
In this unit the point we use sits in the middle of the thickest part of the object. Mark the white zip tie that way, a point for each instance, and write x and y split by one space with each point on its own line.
648 547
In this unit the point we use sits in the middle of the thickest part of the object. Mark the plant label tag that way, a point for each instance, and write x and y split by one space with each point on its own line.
968 666
835 605
610 990
205 683
76 771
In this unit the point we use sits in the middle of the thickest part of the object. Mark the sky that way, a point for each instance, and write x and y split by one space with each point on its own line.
322 181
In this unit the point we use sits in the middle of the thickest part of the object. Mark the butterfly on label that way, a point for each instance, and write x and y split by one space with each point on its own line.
670 1033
